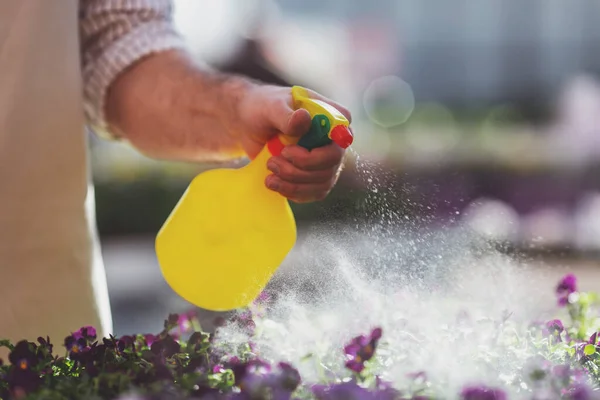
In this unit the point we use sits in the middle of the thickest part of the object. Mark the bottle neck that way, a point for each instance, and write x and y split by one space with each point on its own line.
258 166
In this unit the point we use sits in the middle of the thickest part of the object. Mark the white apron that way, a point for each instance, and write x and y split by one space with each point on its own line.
52 280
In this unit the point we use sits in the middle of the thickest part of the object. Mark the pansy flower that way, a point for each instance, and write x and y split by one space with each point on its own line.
24 356
579 391
566 286
361 349
289 377
149 338
75 346
482 393
341 391
241 370
219 322
23 381
553 330
562 373
185 321
87 332
165 347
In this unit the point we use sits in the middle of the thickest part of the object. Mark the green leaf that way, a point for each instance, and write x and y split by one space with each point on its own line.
589 349
7 344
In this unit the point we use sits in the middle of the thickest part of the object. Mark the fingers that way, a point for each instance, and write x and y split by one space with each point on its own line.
289 121
317 159
302 176
300 192
298 174
289 173
298 124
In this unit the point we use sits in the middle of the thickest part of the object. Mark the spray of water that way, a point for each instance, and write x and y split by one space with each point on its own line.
438 296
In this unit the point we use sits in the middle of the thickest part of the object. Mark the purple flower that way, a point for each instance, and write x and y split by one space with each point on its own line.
289 377
361 349
561 371
75 346
352 391
87 332
149 338
579 392
242 370
23 381
566 286
342 391
24 356
580 347
256 380
245 321
184 321
263 297
219 322
553 330
125 342
218 369
384 390
254 386
166 347
482 393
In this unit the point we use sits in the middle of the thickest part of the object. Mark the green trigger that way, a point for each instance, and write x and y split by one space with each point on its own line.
318 135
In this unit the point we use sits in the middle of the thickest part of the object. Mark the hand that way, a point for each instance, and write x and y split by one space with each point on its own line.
299 175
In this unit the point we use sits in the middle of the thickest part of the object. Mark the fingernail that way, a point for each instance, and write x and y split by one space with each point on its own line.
273 167
272 182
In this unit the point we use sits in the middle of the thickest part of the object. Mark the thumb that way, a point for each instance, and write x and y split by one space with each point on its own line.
291 122
299 123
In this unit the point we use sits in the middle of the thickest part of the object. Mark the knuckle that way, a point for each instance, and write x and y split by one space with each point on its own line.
292 190
302 162
287 171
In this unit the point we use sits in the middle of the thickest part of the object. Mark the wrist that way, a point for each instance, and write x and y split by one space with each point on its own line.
234 94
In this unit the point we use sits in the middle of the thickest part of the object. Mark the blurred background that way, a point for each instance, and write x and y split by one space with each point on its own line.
481 113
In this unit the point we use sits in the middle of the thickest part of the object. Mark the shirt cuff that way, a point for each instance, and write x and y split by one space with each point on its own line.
146 39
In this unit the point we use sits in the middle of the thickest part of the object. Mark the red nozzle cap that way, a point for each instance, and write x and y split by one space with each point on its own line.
342 136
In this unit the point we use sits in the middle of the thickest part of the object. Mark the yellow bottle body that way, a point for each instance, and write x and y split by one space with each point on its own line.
226 237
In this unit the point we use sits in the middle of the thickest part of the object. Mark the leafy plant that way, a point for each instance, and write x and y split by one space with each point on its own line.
558 360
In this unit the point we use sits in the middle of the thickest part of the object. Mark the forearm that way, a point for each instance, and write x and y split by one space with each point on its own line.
141 86
169 107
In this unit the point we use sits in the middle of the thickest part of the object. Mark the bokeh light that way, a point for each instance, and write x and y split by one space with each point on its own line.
547 227
389 101
432 129
211 28
587 222
493 219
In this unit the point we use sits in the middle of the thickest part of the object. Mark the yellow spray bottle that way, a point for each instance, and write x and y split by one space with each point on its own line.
228 233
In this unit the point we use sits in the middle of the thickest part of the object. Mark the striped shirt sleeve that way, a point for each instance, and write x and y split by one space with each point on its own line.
115 34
